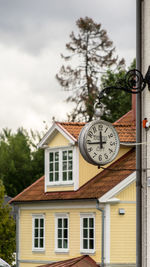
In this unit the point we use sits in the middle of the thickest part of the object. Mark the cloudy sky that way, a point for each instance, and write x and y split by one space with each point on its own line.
33 34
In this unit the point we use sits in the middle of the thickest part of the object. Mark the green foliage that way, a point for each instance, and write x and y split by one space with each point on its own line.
7 230
93 51
20 163
116 102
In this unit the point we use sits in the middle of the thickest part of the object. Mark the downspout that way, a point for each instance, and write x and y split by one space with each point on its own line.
138 140
102 246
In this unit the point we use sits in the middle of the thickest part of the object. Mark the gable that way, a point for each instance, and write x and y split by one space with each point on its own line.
58 140
122 191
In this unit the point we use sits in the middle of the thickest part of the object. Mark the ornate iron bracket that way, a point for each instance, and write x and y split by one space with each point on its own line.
134 83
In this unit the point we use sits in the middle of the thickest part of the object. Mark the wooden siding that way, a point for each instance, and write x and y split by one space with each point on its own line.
128 194
74 235
58 140
123 234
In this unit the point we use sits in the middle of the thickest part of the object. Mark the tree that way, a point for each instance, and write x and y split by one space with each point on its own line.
20 164
7 230
116 102
91 51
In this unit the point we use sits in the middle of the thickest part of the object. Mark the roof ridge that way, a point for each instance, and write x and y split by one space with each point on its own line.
126 114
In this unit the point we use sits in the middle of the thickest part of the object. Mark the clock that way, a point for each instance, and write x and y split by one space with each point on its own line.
99 142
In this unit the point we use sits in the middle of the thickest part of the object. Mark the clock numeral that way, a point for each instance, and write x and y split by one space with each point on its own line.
100 157
112 143
106 129
106 156
90 134
110 135
100 127
110 150
94 129
95 154
90 149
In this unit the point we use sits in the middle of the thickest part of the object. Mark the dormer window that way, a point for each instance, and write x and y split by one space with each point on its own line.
60 166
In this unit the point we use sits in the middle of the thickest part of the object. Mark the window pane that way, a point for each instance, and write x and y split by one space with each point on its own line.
85 233
69 154
56 176
64 155
91 222
70 176
65 243
70 165
85 222
36 243
56 156
41 243
36 232
51 157
91 244
59 243
59 233
85 243
56 166
64 166
65 233
36 222
91 233
65 223
51 167
60 223
41 232
64 176
51 177
41 222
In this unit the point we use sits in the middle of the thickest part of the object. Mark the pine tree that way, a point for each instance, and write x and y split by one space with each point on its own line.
91 51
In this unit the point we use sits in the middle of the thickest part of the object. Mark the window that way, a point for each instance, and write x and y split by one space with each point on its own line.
38 232
60 166
87 233
62 233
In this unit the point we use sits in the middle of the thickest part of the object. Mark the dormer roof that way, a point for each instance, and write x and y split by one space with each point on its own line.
125 127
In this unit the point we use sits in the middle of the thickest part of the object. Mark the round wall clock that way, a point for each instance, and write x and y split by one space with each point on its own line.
99 142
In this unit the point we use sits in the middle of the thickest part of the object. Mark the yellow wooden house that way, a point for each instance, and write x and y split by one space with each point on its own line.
77 209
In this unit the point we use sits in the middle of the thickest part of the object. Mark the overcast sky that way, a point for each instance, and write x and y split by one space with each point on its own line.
33 34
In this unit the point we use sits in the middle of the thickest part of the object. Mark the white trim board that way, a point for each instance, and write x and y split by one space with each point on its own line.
52 131
116 189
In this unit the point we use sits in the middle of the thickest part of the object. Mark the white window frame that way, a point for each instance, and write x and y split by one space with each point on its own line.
38 216
60 150
61 216
82 216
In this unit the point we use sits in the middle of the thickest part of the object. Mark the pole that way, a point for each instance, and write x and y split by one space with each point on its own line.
138 140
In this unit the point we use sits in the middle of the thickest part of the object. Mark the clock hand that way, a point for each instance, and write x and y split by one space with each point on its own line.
101 141
92 143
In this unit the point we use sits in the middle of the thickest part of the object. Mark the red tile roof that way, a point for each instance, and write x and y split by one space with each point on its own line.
81 261
93 189
73 128
125 127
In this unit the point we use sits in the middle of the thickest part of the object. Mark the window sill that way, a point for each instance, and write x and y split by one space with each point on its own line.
87 251
60 184
61 251
38 250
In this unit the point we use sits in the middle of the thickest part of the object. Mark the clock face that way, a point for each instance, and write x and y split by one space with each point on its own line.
100 142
